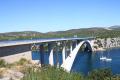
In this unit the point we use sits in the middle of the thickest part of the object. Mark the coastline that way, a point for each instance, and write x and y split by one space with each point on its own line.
105 44
99 49
104 49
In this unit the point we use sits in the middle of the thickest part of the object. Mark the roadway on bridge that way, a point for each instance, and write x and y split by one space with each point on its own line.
22 42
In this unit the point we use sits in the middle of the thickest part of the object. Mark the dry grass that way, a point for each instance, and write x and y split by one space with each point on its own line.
2 72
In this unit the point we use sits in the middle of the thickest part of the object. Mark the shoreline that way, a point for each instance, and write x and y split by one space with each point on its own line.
99 49
104 49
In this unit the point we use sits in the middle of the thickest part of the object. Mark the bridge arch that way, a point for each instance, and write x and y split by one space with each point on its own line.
87 46
67 64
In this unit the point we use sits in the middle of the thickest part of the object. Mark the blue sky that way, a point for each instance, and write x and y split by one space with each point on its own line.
55 15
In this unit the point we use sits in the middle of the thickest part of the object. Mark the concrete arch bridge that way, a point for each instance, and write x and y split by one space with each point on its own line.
67 48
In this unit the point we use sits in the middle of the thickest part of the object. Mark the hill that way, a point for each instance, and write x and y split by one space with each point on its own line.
113 31
116 27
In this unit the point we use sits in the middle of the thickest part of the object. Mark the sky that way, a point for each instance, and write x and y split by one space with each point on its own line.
57 15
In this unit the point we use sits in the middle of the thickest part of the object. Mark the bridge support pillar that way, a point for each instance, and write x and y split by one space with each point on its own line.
63 54
42 54
50 51
71 47
57 54
74 44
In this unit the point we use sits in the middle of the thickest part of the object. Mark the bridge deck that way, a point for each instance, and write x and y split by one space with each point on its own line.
22 42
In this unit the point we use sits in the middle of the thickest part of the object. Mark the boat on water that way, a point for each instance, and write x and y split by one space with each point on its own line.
102 58
108 59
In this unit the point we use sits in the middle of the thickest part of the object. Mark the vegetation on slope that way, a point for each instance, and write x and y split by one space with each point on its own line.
53 73
34 72
84 32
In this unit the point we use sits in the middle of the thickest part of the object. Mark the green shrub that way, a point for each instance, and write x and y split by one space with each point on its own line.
2 63
22 61
53 73
50 73
99 74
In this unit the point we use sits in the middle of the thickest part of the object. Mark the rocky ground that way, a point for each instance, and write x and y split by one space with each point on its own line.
14 71
10 74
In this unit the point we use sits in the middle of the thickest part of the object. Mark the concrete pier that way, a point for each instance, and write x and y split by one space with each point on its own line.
42 54
50 52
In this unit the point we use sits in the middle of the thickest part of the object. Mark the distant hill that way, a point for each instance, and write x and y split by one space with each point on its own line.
23 33
20 35
113 31
116 27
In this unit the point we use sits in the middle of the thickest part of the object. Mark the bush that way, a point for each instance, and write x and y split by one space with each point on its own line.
2 63
53 73
99 74
50 73
22 61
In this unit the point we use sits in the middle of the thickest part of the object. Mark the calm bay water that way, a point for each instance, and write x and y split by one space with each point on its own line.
85 62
